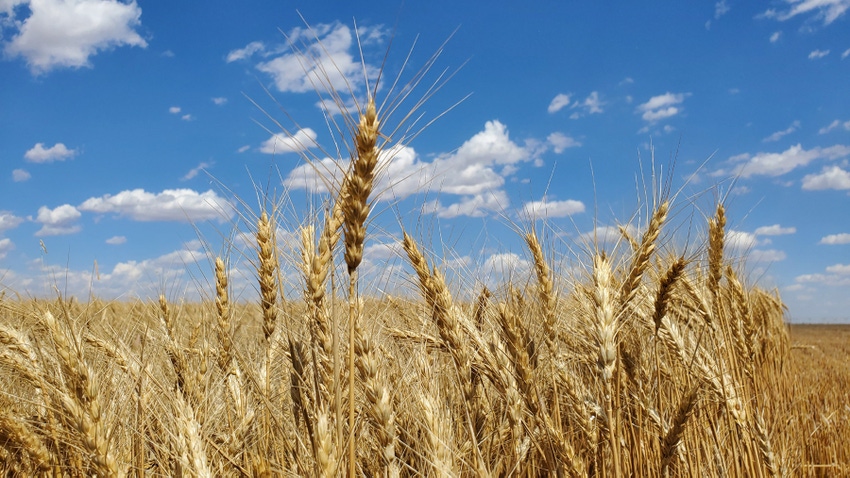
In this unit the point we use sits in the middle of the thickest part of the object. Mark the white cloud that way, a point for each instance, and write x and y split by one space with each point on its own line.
57 152
242 149
825 279
836 275
279 143
9 221
831 177
845 54
775 230
775 37
20 175
721 8
818 54
61 33
560 142
591 105
779 134
741 240
242 53
175 110
769 255
662 106
826 11
169 205
194 171
58 221
548 209
834 125
608 234
558 102
777 164
477 205
187 117
476 171
6 245
836 239
505 264
219 100
322 63
116 240
839 269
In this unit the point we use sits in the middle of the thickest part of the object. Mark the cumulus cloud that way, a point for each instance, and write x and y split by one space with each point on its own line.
721 8
558 103
785 132
280 143
549 209
65 34
818 54
662 106
175 110
9 221
116 240
560 142
57 152
590 105
769 255
168 205
775 37
839 269
328 61
505 264
476 171
194 171
219 100
608 234
741 240
248 51
20 175
836 275
831 177
775 230
476 205
845 54
825 11
834 125
777 164
836 239
6 246
58 221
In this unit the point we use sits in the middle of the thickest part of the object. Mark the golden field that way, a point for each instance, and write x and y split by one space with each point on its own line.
645 361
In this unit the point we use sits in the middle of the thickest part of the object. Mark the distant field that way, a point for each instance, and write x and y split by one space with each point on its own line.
821 358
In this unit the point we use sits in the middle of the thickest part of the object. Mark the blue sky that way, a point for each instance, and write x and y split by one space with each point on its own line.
136 136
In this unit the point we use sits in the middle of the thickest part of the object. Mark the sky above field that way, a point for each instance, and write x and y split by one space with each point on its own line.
139 138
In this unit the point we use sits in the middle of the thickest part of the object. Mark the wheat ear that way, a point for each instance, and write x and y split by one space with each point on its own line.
266 269
545 290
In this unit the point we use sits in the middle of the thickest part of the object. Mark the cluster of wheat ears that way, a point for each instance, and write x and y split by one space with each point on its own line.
652 364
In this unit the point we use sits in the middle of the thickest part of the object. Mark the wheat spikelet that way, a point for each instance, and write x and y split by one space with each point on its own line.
672 440
545 290
640 259
380 409
81 401
266 272
222 306
358 185
665 290
716 240
17 437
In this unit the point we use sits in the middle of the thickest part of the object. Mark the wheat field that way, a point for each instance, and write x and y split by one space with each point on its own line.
648 361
